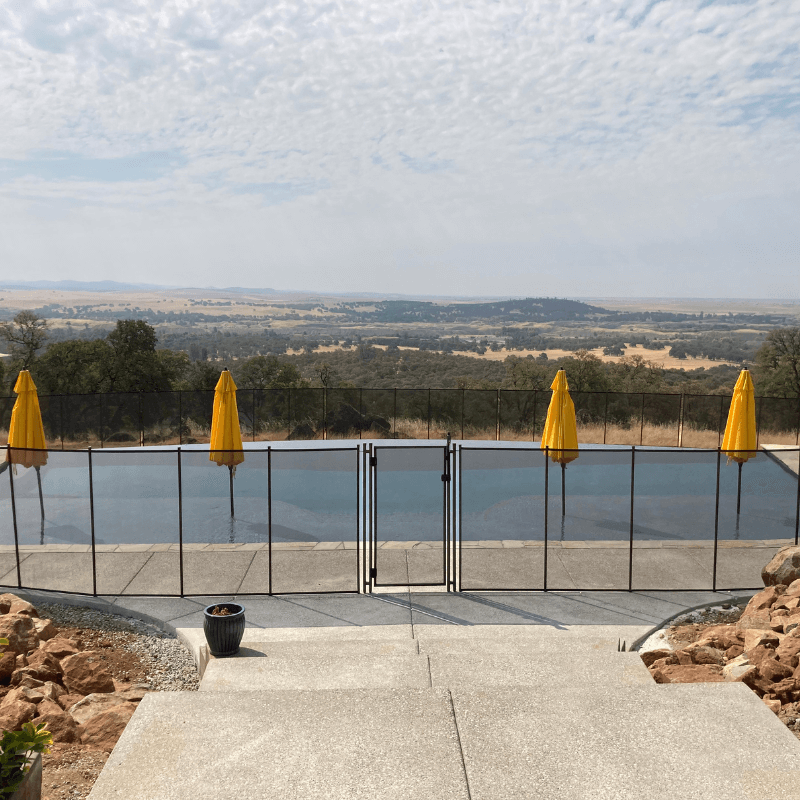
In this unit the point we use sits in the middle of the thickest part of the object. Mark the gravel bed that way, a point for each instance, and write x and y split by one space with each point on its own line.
168 664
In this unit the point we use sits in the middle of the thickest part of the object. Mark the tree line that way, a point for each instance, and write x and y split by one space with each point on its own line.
129 359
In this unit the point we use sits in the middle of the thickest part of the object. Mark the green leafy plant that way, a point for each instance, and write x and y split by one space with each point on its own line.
16 748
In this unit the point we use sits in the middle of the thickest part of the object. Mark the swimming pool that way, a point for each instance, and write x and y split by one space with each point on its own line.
315 492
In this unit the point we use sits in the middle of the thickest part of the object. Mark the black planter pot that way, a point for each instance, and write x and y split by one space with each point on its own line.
224 634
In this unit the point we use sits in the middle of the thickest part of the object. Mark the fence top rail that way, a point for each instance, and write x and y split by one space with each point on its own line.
177 392
248 448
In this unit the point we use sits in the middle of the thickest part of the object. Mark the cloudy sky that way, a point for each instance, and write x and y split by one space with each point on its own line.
484 147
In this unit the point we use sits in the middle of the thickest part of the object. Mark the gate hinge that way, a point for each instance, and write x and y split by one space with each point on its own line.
446 478
373 461
373 572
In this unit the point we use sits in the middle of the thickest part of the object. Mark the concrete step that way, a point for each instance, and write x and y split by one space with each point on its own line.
322 671
319 672
677 742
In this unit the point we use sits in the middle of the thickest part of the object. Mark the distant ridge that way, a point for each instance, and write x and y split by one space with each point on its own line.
85 286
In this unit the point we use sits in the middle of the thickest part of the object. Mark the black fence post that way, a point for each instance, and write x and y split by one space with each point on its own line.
533 426
497 435
14 512
605 419
61 419
716 524
141 422
253 418
463 402
546 504
289 412
180 417
269 518
429 414
394 414
324 412
180 520
102 420
633 491
680 420
91 518
719 426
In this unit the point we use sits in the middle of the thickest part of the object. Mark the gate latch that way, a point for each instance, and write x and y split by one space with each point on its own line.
446 478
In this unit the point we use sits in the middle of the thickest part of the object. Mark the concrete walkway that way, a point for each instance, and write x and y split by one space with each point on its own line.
422 696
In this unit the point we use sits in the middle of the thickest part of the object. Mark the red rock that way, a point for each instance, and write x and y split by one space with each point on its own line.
60 648
723 637
8 663
654 655
85 673
787 690
695 673
773 670
759 684
702 654
788 651
20 632
783 568
66 701
793 589
135 694
103 730
95 704
24 608
758 654
684 658
6 600
52 691
764 599
44 659
39 672
753 639
786 602
663 662
734 651
14 713
45 629
60 724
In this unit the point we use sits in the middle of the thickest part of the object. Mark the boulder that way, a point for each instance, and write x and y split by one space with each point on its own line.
723 637
39 672
85 673
783 568
103 730
45 629
94 704
14 713
788 651
6 600
8 663
695 673
51 691
753 639
758 654
759 684
654 655
734 651
703 654
41 658
787 602
20 632
773 670
66 701
793 589
733 673
60 648
135 693
787 690
24 608
62 727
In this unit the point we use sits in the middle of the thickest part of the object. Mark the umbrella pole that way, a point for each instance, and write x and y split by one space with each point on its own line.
41 498
739 491
563 491
230 475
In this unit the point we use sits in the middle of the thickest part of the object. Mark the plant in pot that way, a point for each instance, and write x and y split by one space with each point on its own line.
20 760
223 625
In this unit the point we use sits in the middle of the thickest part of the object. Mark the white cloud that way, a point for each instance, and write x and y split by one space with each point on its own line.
647 147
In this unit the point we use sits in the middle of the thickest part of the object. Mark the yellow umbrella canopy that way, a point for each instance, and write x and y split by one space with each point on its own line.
560 431
225 432
26 429
740 430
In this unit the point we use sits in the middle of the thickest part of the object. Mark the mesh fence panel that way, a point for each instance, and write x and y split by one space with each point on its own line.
778 420
522 414
195 411
703 421
409 535
344 417
413 419
121 419
480 414
596 509
590 410
306 413
272 414
662 413
55 546
379 410
502 490
674 512
314 523
447 413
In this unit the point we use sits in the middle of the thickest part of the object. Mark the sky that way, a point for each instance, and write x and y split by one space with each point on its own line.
639 148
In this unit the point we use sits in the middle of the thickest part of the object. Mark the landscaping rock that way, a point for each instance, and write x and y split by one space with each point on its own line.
60 648
733 673
66 701
24 608
84 673
5 602
61 725
695 673
773 704
41 658
774 671
784 567
654 655
20 632
8 663
103 730
94 704
44 629
13 714
702 654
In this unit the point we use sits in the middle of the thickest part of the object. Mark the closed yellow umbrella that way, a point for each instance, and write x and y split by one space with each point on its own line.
26 431
560 430
739 441
226 435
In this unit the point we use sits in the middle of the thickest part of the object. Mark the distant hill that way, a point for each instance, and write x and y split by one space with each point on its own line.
85 286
